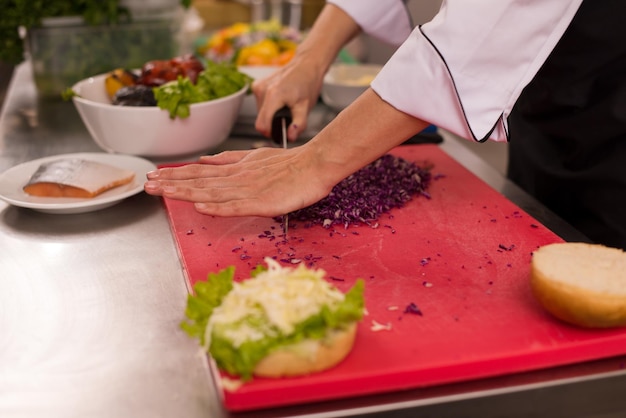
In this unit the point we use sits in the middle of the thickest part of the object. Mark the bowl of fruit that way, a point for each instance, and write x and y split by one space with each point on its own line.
258 49
263 43
168 108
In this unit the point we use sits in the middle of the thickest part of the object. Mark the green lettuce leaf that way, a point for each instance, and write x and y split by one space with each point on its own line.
216 81
208 295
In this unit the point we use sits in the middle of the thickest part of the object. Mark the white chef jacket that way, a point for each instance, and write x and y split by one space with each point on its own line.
463 70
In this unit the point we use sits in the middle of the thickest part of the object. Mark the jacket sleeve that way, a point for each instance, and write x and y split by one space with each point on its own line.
386 20
464 70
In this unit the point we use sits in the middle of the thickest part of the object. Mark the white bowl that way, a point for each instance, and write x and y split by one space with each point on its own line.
343 83
258 72
149 131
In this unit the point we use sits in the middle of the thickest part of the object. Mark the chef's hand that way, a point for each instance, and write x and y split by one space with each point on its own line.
274 181
263 182
296 85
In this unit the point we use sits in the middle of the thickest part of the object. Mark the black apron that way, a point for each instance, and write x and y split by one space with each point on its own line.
568 129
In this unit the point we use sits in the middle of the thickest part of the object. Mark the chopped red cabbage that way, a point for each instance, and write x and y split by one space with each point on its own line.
385 184
412 308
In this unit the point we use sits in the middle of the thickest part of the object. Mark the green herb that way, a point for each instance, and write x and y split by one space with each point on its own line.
29 13
208 296
217 80
68 93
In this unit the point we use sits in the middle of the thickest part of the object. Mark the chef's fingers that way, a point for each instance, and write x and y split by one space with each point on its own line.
219 165
223 158
189 171
206 182
239 200
272 94
265 115
215 201
259 88
299 112
254 199
265 182
241 196
242 160
299 116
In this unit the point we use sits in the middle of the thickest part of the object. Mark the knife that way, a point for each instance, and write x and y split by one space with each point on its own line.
281 120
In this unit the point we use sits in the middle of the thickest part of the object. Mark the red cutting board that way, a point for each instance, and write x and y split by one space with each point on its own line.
462 257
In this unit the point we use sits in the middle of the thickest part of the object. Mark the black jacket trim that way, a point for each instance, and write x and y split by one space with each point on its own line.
500 119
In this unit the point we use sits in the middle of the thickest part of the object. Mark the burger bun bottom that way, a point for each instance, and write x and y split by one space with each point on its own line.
308 356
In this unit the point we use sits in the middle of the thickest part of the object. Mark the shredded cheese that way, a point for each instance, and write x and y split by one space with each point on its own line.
273 302
230 385
377 326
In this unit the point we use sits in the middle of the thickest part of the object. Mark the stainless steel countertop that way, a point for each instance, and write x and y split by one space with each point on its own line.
90 306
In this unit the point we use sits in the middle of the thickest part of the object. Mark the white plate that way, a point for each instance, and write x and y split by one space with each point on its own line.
13 180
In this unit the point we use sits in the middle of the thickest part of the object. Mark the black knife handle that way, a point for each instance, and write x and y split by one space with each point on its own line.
277 130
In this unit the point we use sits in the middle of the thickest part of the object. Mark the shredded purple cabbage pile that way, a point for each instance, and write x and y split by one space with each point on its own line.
387 183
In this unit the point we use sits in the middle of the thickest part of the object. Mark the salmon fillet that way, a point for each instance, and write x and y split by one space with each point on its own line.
75 177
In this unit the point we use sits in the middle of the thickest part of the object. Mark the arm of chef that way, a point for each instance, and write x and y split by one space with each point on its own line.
464 70
386 20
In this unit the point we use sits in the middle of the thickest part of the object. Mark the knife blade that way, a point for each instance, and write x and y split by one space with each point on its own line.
280 122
